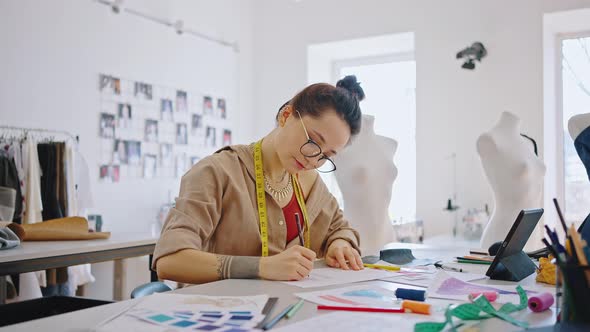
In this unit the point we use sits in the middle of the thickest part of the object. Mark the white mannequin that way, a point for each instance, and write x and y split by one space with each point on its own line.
577 123
365 173
515 174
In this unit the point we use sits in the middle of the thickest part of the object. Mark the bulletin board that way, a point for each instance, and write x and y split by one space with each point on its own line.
150 131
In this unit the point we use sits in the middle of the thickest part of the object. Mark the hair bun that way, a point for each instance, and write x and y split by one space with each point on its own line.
351 85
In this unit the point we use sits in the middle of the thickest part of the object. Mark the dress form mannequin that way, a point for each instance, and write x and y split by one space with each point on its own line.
515 174
365 173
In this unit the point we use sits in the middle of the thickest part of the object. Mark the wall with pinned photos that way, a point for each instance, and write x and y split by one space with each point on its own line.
53 56
149 131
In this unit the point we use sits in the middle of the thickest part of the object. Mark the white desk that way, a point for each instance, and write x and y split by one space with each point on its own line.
41 255
88 318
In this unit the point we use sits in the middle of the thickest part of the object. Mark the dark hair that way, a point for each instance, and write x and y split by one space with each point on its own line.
344 98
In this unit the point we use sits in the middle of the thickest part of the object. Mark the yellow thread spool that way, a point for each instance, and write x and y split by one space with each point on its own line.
416 307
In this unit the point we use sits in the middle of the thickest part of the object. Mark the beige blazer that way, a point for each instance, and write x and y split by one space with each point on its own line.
216 212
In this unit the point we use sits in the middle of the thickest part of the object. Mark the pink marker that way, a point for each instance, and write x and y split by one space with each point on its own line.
491 296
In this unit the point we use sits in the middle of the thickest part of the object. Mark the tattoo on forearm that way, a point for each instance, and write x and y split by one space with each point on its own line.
237 267
223 266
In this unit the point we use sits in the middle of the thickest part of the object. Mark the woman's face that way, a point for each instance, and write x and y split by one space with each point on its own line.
328 130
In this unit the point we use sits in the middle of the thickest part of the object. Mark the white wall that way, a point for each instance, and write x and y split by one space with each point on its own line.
454 105
51 53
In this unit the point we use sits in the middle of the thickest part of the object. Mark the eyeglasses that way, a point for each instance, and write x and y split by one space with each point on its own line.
311 149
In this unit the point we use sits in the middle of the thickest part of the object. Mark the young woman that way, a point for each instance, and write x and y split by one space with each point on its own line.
261 210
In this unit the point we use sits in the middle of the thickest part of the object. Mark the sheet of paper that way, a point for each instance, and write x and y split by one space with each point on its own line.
329 276
355 296
424 279
446 286
165 312
203 302
353 322
199 320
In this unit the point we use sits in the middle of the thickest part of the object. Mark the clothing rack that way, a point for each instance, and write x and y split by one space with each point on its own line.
74 138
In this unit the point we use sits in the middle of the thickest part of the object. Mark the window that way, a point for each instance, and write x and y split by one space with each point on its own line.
386 68
575 88
391 84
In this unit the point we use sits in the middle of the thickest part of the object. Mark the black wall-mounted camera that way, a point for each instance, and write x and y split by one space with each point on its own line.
474 52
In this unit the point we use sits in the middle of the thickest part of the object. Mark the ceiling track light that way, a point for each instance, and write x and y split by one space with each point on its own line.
118 6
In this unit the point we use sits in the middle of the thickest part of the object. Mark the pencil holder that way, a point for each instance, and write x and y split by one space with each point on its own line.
573 293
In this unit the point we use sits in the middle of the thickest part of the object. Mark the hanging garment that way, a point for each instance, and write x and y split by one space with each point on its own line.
15 152
9 178
70 167
79 200
34 203
61 189
50 158
32 209
79 275
84 198
7 202
47 159
29 287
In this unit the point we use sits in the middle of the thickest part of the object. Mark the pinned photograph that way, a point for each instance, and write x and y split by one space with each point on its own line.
207 105
124 118
143 90
107 125
166 110
151 130
181 101
226 137
110 84
210 137
133 153
221 108
196 123
181 133
120 152
109 173
149 166
166 158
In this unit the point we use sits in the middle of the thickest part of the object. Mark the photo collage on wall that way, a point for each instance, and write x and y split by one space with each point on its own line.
150 131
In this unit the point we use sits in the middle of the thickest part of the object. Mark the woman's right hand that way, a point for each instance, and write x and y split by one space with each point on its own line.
295 263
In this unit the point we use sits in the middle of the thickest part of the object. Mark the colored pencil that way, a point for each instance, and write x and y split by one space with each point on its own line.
382 267
299 230
277 318
561 219
329 307
295 308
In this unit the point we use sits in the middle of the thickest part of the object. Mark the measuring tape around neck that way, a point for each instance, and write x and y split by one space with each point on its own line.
261 201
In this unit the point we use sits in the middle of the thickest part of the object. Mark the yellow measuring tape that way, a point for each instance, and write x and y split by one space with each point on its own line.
261 200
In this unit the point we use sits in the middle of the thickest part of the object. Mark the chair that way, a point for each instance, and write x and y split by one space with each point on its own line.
150 288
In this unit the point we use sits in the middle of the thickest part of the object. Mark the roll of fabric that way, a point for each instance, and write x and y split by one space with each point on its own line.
541 302
69 228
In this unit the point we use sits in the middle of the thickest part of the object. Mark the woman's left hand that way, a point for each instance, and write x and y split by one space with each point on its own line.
342 255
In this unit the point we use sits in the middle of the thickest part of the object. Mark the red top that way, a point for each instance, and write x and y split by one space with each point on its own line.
289 212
